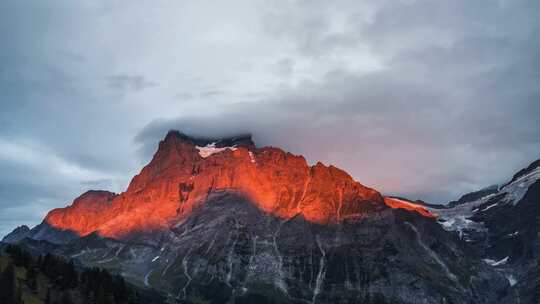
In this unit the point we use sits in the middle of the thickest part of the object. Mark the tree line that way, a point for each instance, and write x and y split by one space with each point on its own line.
55 280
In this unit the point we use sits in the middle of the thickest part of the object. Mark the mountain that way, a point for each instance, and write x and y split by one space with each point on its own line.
473 196
17 234
224 221
185 171
503 225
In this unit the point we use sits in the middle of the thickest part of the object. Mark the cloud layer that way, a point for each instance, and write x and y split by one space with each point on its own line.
426 99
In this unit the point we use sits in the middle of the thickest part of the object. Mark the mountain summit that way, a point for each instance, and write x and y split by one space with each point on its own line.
185 171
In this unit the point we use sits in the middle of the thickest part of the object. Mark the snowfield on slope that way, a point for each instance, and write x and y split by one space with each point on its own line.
517 189
210 149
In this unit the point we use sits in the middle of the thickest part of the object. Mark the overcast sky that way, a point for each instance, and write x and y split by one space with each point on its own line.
424 99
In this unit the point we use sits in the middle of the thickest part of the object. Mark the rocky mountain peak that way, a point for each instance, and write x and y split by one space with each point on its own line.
236 140
83 216
17 234
185 170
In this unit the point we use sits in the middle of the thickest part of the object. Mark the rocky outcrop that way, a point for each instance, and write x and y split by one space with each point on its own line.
17 234
85 215
397 203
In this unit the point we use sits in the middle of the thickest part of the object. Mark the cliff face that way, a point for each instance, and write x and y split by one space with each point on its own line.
184 171
86 213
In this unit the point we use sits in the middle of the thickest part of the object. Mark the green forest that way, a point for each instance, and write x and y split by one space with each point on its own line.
49 279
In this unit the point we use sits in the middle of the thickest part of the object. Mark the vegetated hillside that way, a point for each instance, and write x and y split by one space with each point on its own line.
49 279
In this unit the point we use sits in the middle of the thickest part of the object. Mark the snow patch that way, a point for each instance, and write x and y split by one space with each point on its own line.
146 277
166 267
79 254
457 217
252 157
185 266
517 189
460 224
322 272
496 263
230 256
278 280
155 259
119 249
211 148
489 207
511 279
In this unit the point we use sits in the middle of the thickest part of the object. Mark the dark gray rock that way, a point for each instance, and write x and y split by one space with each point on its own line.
503 227
230 252
17 234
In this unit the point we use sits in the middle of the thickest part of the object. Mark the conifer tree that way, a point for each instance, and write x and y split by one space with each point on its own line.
66 298
31 278
8 282
18 295
48 297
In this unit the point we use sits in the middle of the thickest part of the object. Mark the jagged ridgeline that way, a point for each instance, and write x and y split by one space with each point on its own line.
48 279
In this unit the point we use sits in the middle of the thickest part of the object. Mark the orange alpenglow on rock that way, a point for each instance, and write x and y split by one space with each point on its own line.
185 171
402 204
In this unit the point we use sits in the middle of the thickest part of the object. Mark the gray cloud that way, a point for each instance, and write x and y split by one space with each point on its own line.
183 96
426 99
211 93
283 67
442 117
129 82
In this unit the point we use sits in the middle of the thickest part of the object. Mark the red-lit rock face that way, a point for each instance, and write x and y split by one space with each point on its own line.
401 204
85 214
178 179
